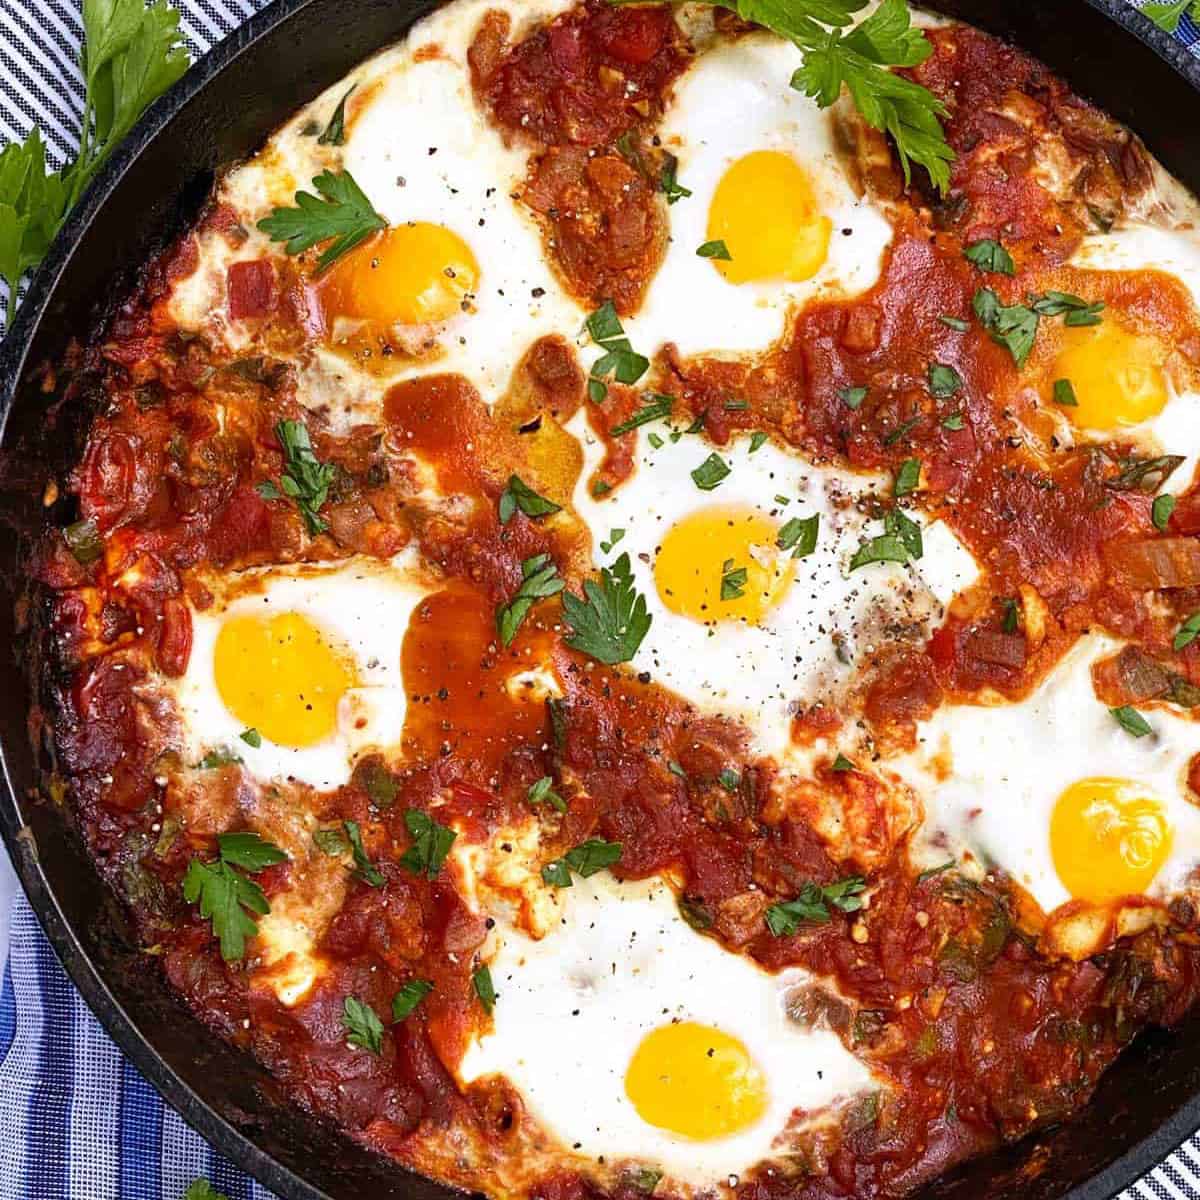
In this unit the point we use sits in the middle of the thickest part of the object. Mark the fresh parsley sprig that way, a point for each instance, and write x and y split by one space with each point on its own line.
339 214
226 895
131 54
611 620
860 58
304 480
619 361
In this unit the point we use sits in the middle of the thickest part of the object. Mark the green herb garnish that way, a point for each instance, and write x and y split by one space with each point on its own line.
585 859
611 620
339 214
813 903
619 361
518 494
543 792
539 580
431 844
1131 720
408 997
716 249
363 1028
989 255
799 535
304 480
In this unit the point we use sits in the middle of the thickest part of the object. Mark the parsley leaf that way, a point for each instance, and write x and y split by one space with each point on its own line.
758 439
484 988
585 859
335 131
1144 474
907 477
729 779
953 422
131 54
304 480
363 1028
539 580
1167 14
225 895
619 359
944 380
1064 393
221 756
1011 621
799 535
1131 720
1161 510
989 255
1188 632
431 844
340 214
717 250
841 764
955 323
543 790
611 620
900 541
364 868
518 494
251 737
813 903
1013 326
853 397
671 187
408 997
1073 309
733 581
656 408
710 473
249 851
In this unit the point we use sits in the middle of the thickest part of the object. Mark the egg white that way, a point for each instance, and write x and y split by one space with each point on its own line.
991 774
364 608
572 1008
756 672
733 100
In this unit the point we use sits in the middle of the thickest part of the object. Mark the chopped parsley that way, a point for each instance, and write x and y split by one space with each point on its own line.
249 851
900 541
304 480
955 323
585 859
363 1028
842 763
944 380
1161 510
251 737
813 903
405 1001
220 756
733 581
902 430
364 868
953 422
716 249
611 620
1013 326
1187 632
518 494
1064 393
619 360
1074 310
84 541
711 473
907 477
335 131
852 397
614 536
339 214
729 779
656 408
672 189
758 439
1131 720
1011 621
485 990
431 844
539 580
543 792
799 535
989 255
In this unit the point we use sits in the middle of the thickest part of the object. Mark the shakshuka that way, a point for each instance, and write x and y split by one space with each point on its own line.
620 640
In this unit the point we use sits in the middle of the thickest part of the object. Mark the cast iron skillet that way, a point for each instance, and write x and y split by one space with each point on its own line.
223 110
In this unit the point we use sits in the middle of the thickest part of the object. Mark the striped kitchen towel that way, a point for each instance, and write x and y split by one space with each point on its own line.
79 1122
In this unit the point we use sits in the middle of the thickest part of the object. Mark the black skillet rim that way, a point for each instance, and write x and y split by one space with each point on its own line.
1141 1157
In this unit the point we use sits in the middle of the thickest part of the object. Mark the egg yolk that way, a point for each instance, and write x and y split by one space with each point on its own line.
1117 376
1109 838
280 675
722 564
695 1081
410 274
765 212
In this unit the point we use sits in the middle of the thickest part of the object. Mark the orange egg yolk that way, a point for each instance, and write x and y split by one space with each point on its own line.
410 274
765 212
280 675
722 564
1117 376
695 1081
1109 838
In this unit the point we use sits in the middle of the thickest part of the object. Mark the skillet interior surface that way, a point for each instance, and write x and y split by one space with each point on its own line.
153 186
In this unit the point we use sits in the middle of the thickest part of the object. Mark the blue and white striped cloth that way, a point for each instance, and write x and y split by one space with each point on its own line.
79 1123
